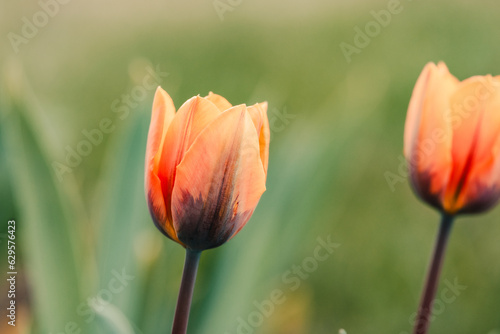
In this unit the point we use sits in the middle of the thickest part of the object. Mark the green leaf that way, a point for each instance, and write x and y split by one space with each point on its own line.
49 241
127 241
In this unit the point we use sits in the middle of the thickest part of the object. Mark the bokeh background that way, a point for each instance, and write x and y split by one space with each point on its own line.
337 129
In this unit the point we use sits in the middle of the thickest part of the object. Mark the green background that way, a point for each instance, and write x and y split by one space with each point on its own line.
327 174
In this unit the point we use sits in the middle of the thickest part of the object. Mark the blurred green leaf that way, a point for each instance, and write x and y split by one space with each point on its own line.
123 232
49 243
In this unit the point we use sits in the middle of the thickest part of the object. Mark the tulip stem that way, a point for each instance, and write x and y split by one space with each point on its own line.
422 320
186 292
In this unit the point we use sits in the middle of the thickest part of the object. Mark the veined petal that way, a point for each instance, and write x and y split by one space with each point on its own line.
487 94
258 112
193 116
162 114
476 142
157 209
483 189
218 183
219 101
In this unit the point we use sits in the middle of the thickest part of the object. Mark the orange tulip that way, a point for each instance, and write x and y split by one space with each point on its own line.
206 167
452 145
452 140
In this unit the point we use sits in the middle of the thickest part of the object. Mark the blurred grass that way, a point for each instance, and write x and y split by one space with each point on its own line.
326 174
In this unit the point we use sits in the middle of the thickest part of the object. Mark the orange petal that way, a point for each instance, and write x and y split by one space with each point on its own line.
482 191
487 94
218 183
156 204
162 114
193 116
476 138
219 101
414 113
428 132
265 137
258 112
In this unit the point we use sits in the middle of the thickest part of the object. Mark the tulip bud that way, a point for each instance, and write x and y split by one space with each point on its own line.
452 140
206 167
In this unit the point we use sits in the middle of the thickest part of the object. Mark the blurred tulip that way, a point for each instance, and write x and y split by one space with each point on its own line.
452 140
452 145
206 167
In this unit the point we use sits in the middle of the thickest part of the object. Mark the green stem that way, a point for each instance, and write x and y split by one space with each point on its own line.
186 292
422 321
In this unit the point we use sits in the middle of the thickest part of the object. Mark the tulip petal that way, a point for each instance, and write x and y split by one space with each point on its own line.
483 189
413 116
157 209
476 142
488 94
428 132
219 182
193 116
161 117
258 112
219 101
